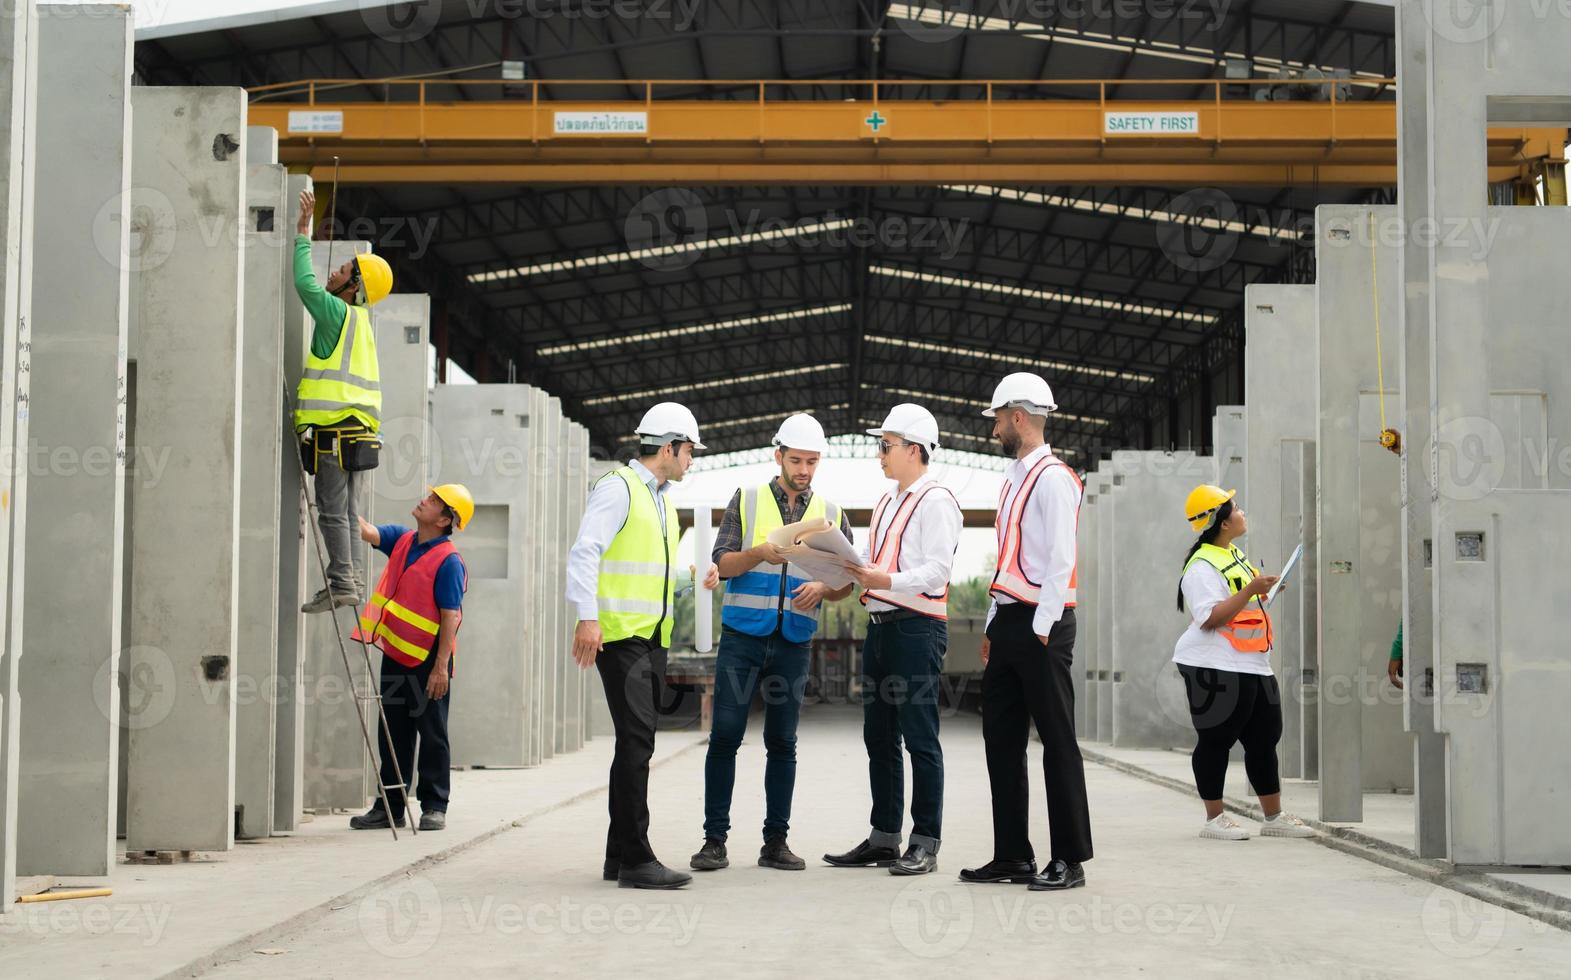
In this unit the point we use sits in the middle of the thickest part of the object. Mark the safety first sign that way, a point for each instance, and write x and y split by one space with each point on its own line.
1151 123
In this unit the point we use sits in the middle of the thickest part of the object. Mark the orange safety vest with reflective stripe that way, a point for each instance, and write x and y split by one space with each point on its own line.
1250 630
888 557
402 617
1011 579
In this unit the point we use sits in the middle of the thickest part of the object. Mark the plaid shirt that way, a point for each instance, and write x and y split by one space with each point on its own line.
729 537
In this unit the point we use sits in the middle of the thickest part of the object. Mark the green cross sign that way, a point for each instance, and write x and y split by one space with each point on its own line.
875 120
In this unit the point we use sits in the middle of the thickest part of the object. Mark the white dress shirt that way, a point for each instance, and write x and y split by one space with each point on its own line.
927 546
1047 535
604 515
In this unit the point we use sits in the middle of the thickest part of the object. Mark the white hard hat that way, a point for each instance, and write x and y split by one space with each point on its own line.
912 423
669 421
802 432
1022 390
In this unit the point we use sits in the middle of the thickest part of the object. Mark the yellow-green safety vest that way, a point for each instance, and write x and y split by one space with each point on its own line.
346 382
637 589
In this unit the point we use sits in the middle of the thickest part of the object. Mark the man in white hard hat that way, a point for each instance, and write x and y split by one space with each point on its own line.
621 580
768 618
1028 653
906 563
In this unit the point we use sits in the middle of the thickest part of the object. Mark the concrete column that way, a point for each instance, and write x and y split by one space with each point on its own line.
269 240
539 650
555 561
1084 667
1280 399
1230 443
1107 522
1150 709
188 175
562 630
289 710
1300 611
485 434
18 94
334 749
76 515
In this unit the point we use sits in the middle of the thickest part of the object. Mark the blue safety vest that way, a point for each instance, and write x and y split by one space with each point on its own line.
759 600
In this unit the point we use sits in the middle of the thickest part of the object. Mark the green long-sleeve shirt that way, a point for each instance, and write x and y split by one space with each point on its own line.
327 311
1396 645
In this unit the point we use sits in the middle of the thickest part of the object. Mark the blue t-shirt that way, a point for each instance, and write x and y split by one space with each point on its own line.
450 584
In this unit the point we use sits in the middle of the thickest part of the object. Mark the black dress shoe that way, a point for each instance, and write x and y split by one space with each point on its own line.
710 857
775 854
1060 874
651 875
373 819
610 870
1013 872
917 860
864 855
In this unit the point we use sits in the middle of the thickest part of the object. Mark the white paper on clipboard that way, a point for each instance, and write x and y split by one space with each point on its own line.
812 548
1292 563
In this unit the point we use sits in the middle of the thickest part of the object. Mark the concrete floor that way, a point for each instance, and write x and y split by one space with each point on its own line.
1160 900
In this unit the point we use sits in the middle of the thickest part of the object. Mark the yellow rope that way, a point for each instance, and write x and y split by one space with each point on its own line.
1374 277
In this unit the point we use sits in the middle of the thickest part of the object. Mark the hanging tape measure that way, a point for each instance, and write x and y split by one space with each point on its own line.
1389 437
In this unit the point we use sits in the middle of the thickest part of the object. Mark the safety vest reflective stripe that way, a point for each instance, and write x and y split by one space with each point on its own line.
756 602
888 557
734 598
1250 630
1010 579
636 593
402 617
346 381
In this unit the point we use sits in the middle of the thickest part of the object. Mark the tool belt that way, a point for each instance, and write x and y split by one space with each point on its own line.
355 447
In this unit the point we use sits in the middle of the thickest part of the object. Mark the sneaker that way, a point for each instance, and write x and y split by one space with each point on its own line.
775 854
711 857
1223 827
1284 824
347 598
433 819
325 600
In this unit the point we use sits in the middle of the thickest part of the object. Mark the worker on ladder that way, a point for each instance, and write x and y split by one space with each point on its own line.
413 616
339 402
621 581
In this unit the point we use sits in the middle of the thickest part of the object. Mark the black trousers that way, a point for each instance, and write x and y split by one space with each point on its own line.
633 672
1025 684
1229 707
410 713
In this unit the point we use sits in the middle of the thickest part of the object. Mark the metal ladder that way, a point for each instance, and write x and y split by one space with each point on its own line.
312 516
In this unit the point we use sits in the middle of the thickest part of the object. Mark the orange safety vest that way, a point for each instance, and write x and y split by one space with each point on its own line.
888 558
402 617
1250 630
1011 579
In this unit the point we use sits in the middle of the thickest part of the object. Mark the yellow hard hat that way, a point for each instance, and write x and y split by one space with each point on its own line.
376 277
458 497
1203 503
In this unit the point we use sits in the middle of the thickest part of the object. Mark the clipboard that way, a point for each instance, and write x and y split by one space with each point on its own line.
1287 570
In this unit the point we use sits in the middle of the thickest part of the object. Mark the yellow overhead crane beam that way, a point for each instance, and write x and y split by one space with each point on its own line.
1087 138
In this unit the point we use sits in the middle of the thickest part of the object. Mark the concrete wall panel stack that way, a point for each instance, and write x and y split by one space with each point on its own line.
1149 540
18 94
188 196
1280 399
268 253
1362 744
81 269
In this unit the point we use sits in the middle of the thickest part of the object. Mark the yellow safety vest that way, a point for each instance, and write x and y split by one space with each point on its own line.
637 589
346 382
759 600
1250 630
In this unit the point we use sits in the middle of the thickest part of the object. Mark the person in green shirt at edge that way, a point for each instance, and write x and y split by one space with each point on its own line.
339 402
1394 665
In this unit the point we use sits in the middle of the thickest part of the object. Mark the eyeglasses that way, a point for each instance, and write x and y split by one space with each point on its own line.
884 447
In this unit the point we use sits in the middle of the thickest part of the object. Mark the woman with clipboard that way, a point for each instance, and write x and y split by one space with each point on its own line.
1224 658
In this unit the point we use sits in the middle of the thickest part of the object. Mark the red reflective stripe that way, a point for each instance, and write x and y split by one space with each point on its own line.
1010 577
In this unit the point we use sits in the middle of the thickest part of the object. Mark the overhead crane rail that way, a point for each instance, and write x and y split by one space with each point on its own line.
1095 131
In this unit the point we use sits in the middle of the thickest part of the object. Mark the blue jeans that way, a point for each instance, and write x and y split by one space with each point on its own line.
902 663
745 665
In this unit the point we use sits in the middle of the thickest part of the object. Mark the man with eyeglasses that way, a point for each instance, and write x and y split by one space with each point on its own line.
906 563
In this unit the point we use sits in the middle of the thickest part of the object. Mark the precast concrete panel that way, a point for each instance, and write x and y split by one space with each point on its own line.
1279 400
1362 744
1086 600
540 600
1107 521
268 253
1230 446
76 475
554 580
1150 539
188 200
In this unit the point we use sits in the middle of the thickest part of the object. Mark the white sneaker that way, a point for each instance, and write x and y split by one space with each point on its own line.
1223 827
1284 824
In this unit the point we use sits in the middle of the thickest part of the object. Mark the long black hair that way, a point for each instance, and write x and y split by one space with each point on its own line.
1208 536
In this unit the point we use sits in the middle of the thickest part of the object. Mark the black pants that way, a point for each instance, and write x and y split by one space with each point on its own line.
902 664
411 712
1024 684
633 672
1229 707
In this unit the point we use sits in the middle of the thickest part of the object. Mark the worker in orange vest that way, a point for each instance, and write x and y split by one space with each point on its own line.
413 617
